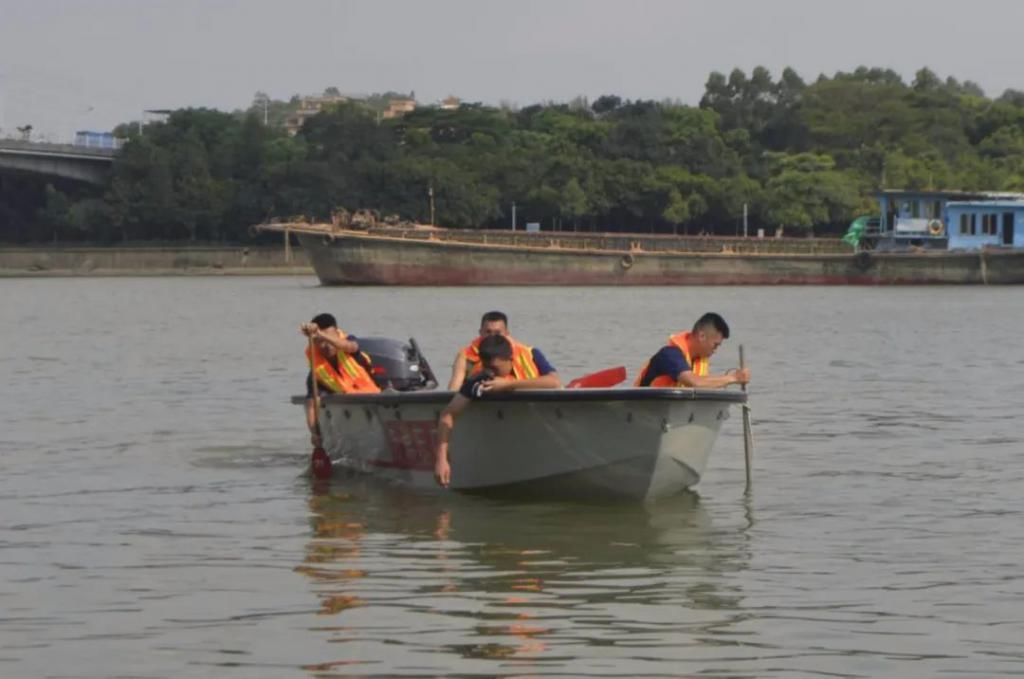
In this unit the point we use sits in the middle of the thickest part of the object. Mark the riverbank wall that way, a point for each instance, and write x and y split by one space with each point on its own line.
150 260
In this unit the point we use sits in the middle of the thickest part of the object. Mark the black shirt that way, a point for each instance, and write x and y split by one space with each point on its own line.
471 386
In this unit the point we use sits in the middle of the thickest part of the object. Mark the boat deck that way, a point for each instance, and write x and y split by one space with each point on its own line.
538 396
569 240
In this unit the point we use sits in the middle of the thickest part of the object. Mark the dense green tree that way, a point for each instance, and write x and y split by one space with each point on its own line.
805 189
573 201
798 154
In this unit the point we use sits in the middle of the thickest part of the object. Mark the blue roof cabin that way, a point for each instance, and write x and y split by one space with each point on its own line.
974 224
948 220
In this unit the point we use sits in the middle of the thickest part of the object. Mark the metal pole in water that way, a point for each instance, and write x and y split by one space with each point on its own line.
748 436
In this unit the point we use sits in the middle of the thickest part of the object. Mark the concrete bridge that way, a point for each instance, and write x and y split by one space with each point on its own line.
80 163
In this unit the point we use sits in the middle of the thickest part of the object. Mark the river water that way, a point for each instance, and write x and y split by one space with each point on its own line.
154 521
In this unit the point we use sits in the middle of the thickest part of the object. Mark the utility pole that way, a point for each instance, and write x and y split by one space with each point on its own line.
430 192
266 103
513 215
744 220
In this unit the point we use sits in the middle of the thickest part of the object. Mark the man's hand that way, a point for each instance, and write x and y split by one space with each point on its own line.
742 375
442 472
310 330
445 424
497 384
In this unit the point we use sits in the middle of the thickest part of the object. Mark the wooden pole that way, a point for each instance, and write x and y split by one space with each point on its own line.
748 436
319 461
316 387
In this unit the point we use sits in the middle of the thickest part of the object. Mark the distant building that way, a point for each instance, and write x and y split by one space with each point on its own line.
309 107
450 103
97 140
399 107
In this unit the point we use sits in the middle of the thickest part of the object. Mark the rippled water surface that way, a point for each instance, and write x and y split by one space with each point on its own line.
154 521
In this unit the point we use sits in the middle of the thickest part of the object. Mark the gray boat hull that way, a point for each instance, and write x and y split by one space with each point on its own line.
631 443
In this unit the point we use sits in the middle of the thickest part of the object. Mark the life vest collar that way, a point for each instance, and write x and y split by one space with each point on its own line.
523 365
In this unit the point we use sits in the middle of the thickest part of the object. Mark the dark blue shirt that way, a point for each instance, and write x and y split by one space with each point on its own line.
668 361
543 367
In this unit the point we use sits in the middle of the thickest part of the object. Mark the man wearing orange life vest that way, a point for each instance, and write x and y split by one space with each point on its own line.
501 370
340 367
467 361
684 361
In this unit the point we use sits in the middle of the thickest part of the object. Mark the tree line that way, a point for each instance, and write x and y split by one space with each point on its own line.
807 157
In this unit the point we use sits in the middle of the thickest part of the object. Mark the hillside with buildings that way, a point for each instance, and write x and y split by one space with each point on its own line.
292 114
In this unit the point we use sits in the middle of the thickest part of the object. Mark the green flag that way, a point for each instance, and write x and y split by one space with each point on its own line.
856 231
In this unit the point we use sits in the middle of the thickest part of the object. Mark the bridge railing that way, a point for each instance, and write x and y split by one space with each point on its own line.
46 148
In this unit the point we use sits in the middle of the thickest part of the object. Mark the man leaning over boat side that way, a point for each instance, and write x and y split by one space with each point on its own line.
503 368
685 360
467 361
340 367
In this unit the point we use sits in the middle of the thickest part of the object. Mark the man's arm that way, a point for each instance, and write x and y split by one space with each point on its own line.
549 381
458 372
349 346
445 425
690 379
547 378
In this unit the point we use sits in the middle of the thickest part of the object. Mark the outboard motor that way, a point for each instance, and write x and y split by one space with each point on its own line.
397 365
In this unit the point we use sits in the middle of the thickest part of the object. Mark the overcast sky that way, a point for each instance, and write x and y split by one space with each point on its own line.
90 64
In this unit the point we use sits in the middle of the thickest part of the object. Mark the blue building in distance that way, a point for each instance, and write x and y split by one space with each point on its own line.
980 223
946 220
97 140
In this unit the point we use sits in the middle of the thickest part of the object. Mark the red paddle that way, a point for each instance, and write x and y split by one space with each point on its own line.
603 379
320 461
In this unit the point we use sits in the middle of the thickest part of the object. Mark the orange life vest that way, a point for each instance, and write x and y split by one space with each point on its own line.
523 365
349 378
699 366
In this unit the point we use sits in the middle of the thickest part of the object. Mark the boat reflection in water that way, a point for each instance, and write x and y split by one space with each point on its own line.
408 581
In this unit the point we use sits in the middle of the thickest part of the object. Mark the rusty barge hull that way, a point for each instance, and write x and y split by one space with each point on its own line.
341 257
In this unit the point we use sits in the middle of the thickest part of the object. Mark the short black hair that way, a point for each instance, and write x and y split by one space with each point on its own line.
495 346
492 316
324 321
714 320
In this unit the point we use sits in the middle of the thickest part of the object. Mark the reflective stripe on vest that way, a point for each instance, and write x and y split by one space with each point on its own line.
523 365
472 354
698 366
349 378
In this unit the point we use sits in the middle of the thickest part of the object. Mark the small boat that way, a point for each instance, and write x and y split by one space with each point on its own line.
631 443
